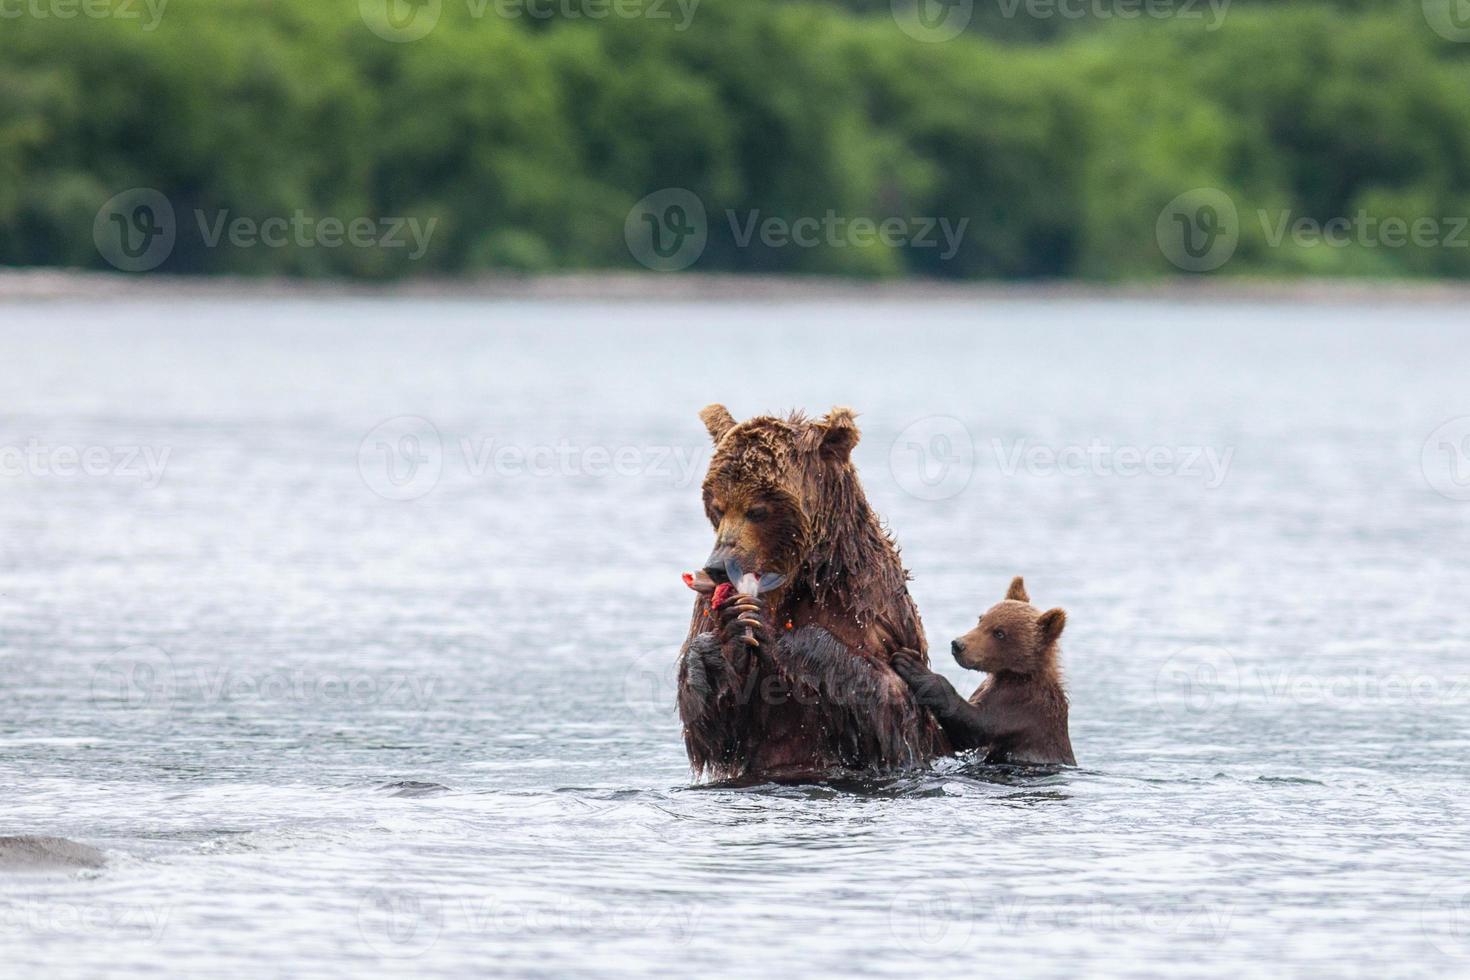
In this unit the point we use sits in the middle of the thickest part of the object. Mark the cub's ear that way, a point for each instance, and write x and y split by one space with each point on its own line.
1017 590
839 434
718 420
1051 624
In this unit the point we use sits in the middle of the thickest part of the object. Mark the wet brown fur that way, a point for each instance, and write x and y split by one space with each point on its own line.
783 496
1019 713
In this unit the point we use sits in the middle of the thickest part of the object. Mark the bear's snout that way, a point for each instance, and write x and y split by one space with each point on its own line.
714 565
957 647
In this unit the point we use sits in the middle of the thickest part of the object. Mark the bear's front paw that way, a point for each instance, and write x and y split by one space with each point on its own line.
929 688
906 664
744 628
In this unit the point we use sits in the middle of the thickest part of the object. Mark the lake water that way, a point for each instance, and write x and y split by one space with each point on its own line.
346 628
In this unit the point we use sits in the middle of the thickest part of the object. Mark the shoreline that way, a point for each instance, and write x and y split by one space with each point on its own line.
41 284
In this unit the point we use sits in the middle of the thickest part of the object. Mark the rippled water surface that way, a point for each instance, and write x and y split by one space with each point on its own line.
345 628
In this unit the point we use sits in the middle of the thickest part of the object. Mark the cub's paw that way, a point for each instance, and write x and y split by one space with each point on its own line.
929 689
906 664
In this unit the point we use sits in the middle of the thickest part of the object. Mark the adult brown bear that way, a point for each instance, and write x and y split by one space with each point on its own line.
797 682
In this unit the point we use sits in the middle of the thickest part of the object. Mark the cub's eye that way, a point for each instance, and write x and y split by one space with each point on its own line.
758 513
716 514
999 634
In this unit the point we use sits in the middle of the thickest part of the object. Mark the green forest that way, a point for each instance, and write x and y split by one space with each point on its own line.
524 135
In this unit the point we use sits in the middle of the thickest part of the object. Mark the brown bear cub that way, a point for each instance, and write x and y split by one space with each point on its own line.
1019 714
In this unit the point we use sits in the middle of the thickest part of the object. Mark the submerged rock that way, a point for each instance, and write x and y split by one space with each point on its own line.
46 854
412 787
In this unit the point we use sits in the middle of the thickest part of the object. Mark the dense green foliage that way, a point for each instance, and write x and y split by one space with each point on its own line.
528 141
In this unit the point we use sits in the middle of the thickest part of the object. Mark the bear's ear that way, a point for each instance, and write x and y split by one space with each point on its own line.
1051 624
718 420
1017 590
839 434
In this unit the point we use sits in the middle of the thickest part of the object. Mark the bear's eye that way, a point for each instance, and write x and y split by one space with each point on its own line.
758 513
999 634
